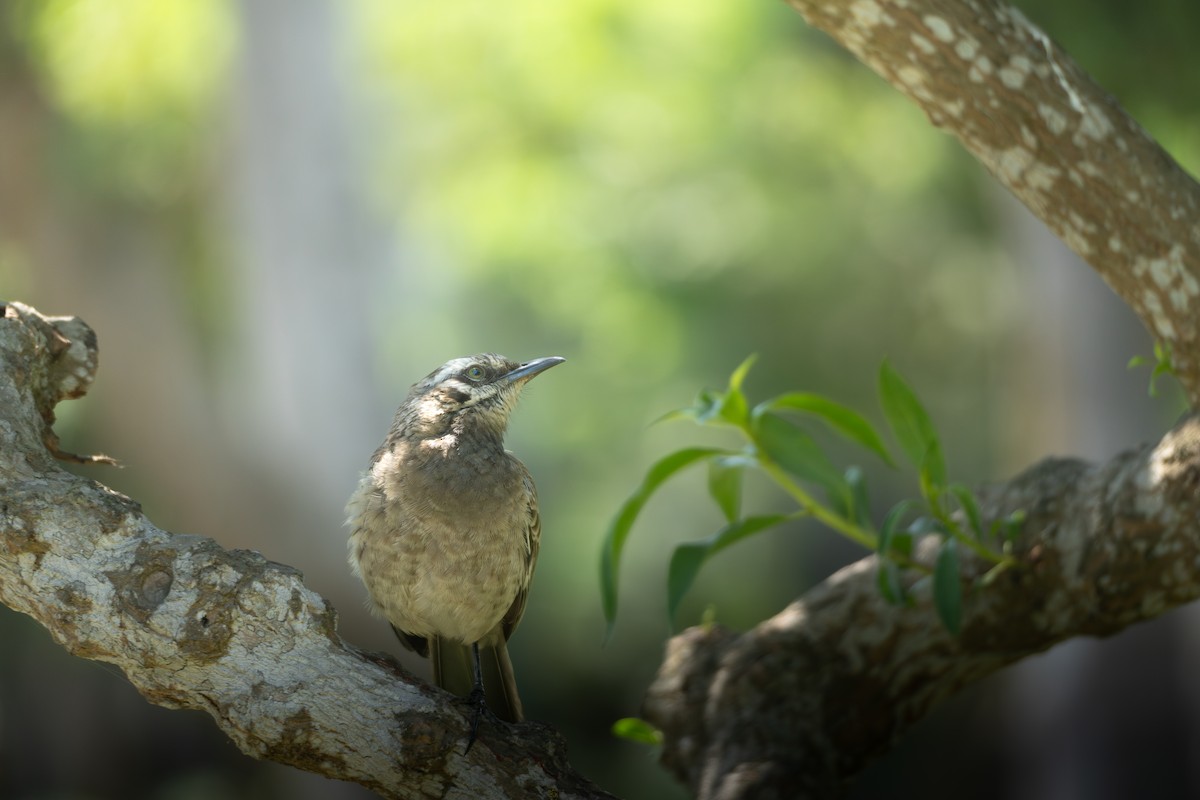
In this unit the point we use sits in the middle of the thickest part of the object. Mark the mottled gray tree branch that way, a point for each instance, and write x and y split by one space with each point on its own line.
1040 124
792 708
797 706
193 625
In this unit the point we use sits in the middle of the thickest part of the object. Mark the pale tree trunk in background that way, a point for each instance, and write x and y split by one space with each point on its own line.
810 695
117 261
302 395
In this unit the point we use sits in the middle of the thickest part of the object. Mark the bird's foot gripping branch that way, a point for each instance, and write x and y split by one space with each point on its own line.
837 498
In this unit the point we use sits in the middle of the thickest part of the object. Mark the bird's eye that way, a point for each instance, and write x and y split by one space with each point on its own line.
475 372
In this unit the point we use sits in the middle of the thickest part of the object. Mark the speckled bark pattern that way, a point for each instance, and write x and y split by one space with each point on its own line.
982 71
193 625
798 705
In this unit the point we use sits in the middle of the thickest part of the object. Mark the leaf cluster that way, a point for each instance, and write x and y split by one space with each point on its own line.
781 448
1162 365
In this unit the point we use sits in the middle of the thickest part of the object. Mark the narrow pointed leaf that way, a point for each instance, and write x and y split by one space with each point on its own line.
966 500
947 587
888 579
690 556
637 730
734 408
841 419
902 543
795 451
932 474
911 424
725 486
891 523
681 574
739 374
860 503
618 531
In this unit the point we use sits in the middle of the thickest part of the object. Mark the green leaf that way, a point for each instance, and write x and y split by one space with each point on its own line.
734 408
860 503
887 532
618 531
690 556
911 425
947 587
888 578
1162 365
932 475
739 374
725 485
795 451
637 730
708 405
966 500
841 419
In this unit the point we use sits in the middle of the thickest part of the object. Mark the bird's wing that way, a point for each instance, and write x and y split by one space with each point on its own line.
533 540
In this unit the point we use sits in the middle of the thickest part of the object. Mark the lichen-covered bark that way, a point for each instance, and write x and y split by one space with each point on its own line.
795 707
193 625
798 705
982 71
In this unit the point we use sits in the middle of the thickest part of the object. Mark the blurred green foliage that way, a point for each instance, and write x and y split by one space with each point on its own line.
652 189
138 80
836 498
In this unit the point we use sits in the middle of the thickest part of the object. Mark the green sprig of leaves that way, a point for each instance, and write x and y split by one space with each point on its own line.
1162 365
787 454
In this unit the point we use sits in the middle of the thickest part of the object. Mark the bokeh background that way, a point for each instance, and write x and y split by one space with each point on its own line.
277 215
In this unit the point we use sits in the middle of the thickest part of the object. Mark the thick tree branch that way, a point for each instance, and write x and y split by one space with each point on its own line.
195 626
798 705
1049 133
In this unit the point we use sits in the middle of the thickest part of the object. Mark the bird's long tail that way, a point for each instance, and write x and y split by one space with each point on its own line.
454 671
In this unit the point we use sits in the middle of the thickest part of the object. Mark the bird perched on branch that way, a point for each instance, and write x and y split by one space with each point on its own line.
445 528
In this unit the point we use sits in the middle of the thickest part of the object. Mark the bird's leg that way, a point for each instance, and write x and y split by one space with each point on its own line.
476 699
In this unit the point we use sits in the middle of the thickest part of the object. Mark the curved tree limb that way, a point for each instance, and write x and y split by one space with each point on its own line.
1053 137
797 706
193 625
800 704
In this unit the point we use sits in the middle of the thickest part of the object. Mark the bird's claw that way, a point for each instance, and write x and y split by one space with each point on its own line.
477 701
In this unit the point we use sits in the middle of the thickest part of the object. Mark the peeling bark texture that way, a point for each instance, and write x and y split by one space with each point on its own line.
193 625
799 705
1053 137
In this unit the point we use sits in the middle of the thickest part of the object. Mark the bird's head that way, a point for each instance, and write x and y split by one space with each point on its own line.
473 395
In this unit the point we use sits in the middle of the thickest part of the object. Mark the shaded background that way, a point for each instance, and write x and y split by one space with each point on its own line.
277 215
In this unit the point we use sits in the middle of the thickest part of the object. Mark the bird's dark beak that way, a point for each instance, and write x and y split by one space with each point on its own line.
531 368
